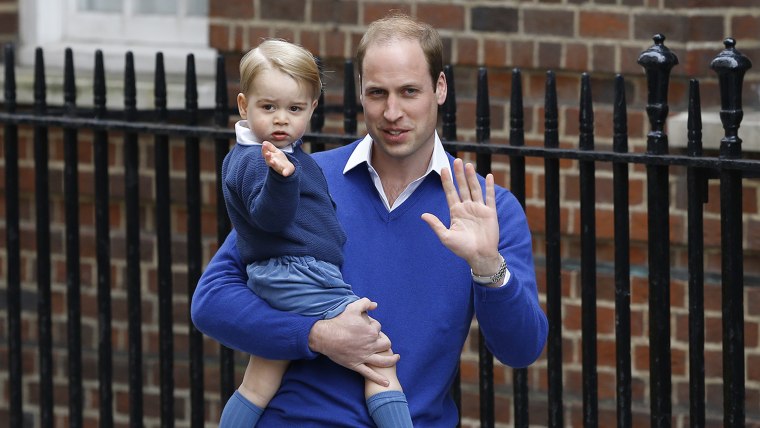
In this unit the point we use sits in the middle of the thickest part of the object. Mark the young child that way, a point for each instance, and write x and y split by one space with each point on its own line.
289 235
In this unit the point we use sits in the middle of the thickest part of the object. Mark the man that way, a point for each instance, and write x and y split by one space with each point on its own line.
394 195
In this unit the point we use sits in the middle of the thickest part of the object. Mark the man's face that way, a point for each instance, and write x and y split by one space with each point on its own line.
400 104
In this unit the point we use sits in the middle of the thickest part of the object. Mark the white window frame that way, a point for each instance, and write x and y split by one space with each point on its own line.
56 25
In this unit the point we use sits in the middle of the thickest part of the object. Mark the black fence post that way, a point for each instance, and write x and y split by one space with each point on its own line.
42 227
221 147
517 187
622 259
103 245
449 110
483 166
449 134
163 232
349 99
132 213
13 246
587 172
731 65
658 60
194 250
553 255
696 185
317 121
73 277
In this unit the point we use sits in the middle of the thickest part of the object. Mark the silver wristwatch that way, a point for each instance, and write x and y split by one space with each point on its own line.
496 278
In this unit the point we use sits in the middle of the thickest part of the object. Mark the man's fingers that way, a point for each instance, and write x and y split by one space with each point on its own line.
464 192
473 184
448 187
490 191
383 361
362 305
438 227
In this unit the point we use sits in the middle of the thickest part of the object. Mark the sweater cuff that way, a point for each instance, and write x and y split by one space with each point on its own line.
301 333
497 294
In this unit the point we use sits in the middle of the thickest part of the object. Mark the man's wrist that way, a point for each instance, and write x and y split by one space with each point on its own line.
495 278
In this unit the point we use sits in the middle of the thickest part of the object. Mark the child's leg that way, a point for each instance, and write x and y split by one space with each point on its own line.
387 404
261 380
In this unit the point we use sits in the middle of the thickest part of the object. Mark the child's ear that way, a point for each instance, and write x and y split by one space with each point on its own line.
314 104
242 103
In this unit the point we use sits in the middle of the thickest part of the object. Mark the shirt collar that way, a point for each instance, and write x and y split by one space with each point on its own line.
245 137
363 153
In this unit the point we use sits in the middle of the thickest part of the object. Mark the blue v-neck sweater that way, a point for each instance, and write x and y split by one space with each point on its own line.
426 299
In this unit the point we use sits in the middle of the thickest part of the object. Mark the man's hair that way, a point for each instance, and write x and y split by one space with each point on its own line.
289 58
398 26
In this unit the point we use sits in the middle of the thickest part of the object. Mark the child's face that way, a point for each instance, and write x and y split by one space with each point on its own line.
277 108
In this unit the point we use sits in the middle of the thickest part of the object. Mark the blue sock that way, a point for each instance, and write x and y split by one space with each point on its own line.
389 409
239 413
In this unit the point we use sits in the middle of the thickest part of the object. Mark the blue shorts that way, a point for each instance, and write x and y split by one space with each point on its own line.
301 284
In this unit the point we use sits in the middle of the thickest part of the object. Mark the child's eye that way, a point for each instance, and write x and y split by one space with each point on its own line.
268 107
295 109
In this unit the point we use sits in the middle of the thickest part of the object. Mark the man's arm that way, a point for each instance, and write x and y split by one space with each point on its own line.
511 314
513 323
224 308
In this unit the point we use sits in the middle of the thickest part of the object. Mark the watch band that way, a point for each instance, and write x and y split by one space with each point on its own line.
491 279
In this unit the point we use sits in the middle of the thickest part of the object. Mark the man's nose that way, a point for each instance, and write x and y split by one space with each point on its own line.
393 111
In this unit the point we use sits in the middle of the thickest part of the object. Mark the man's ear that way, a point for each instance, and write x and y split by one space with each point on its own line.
441 89
242 103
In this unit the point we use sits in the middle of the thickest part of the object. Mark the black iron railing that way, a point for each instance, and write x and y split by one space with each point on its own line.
730 168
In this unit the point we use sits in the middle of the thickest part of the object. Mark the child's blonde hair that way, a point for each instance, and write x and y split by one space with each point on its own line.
289 58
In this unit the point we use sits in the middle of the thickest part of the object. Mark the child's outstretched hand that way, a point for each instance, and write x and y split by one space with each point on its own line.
276 159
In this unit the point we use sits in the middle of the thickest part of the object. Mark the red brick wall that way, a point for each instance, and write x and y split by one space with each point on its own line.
604 37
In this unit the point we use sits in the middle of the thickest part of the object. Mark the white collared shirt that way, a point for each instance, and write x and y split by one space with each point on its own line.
245 137
363 153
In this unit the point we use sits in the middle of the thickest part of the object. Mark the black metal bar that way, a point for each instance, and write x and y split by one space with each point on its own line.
449 109
658 60
73 278
750 167
349 99
696 192
587 172
622 259
42 205
517 186
318 116
449 113
194 251
163 235
483 166
13 247
103 246
221 147
553 256
132 213
730 65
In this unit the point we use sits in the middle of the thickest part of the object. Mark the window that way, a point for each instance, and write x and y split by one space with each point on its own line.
174 27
